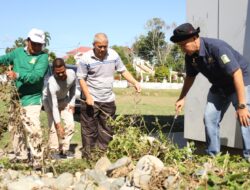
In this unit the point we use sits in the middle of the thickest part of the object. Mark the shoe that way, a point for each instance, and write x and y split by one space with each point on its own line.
37 167
55 156
66 154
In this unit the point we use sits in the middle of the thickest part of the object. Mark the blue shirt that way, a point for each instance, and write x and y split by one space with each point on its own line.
217 61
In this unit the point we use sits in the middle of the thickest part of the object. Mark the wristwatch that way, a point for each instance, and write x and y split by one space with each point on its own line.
241 106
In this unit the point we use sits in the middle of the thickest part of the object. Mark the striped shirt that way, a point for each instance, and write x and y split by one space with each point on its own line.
99 74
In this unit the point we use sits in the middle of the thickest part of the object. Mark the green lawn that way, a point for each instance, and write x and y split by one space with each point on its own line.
149 103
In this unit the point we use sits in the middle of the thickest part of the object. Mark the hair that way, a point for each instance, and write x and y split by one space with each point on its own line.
99 37
58 62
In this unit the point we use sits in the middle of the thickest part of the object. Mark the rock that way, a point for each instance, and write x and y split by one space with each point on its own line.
120 168
97 176
49 175
64 181
79 186
27 183
50 182
145 167
117 183
13 174
102 164
78 176
87 185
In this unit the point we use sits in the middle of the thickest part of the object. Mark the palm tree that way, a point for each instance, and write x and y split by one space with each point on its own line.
47 38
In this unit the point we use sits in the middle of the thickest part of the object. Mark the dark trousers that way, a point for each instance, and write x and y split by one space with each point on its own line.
96 133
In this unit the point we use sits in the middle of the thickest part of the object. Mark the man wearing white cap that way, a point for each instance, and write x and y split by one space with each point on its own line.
30 65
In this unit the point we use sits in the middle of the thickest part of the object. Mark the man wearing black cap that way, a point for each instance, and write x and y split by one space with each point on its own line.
229 74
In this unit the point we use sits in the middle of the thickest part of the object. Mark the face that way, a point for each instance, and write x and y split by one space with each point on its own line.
34 48
189 46
100 49
60 73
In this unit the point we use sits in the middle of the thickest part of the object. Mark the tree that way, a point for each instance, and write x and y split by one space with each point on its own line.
153 46
161 72
20 42
70 60
47 38
125 54
156 37
176 58
52 56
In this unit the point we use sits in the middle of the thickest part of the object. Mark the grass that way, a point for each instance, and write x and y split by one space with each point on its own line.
149 103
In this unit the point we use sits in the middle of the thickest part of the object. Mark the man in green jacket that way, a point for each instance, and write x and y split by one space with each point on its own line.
29 65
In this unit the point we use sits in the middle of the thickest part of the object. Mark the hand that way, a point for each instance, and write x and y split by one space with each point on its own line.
243 117
11 75
179 105
90 101
60 130
71 109
137 87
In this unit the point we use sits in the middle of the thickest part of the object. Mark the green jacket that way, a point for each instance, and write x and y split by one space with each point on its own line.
31 70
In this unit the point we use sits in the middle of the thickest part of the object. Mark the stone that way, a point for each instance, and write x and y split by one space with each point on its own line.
102 164
64 181
145 167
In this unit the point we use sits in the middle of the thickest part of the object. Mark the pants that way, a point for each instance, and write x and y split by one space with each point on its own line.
67 116
95 131
215 109
28 135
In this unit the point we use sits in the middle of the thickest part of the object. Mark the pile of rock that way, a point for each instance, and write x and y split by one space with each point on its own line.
148 174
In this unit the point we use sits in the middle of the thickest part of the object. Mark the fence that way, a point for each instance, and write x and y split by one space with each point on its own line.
149 85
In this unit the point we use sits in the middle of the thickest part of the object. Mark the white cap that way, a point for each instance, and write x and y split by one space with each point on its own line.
37 36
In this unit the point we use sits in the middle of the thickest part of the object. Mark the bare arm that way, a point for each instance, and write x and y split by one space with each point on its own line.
132 80
187 85
243 114
85 90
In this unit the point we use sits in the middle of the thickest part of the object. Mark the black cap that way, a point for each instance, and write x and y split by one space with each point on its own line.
184 32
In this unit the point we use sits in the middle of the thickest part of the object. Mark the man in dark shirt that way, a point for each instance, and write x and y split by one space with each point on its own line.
229 74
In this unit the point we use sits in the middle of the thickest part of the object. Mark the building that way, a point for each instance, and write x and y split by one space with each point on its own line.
76 53
143 68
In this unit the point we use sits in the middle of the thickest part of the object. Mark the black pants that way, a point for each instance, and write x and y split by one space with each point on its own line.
94 129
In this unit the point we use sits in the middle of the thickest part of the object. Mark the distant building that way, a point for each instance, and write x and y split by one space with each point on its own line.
78 52
143 68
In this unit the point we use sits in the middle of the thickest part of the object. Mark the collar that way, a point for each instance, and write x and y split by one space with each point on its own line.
26 50
202 51
92 55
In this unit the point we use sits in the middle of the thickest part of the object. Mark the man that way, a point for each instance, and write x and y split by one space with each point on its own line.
229 74
96 75
30 65
59 100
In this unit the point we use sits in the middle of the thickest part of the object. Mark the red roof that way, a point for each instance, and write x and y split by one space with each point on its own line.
78 50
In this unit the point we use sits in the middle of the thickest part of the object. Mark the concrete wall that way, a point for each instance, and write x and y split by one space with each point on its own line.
228 20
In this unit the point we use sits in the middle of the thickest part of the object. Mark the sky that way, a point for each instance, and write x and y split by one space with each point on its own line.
73 23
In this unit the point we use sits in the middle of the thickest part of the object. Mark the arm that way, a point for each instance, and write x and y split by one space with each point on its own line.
131 79
52 98
72 97
8 58
85 90
243 114
181 100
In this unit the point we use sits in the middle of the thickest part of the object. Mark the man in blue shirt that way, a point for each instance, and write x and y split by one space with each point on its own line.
229 74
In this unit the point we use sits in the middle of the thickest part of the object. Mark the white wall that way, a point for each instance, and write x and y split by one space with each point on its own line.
228 20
